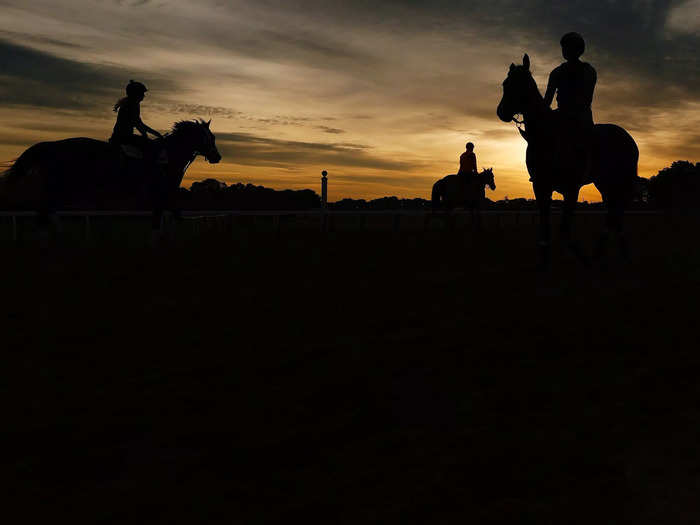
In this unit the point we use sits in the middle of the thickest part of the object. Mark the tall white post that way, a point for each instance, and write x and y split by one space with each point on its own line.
324 190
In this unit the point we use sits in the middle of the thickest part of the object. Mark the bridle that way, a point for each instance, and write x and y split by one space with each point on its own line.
520 124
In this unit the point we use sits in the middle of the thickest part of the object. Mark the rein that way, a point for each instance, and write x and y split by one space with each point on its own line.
520 124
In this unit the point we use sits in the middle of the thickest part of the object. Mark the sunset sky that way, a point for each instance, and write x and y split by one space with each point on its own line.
382 94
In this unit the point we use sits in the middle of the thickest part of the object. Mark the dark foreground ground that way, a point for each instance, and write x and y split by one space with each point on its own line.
419 377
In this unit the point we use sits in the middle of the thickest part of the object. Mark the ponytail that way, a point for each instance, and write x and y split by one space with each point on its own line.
120 103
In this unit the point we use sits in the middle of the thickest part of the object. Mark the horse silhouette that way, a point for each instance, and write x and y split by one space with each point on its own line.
555 167
463 191
83 173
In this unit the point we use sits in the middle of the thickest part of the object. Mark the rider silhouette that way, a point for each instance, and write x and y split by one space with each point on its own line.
129 117
573 82
467 161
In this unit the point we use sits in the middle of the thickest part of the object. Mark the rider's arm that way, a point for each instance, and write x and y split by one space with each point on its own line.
143 129
475 170
153 132
551 89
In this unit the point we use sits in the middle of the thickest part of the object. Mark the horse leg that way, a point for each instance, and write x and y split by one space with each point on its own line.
159 201
46 213
601 251
43 223
567 220
157 215
544 202
614 224
476 219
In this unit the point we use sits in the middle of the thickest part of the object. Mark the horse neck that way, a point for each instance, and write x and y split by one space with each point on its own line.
535 112
483 179
180 153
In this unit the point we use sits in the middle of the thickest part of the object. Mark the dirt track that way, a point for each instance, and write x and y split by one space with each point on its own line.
354 378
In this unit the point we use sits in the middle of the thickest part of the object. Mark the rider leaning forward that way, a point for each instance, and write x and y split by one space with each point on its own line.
128 111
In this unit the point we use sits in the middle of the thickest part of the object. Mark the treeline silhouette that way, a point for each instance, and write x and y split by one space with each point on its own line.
211 194
674 187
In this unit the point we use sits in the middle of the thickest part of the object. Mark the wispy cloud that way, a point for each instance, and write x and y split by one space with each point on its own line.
414 79
249 149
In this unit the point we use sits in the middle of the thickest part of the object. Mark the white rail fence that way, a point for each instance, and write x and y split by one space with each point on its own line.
326 219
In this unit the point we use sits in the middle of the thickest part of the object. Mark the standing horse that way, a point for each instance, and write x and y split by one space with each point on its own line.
465 191
82 173
612 167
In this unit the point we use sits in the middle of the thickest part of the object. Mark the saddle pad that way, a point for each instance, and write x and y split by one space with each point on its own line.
132 151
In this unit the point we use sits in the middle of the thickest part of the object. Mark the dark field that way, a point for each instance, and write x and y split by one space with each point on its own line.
355 377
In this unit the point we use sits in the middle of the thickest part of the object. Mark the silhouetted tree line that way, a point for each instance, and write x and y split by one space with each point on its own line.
211 194
676 187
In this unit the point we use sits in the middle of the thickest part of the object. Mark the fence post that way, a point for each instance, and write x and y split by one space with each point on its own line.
324 201
87 227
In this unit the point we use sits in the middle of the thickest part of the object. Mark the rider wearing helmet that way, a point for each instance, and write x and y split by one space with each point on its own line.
467 161
573 82
128 111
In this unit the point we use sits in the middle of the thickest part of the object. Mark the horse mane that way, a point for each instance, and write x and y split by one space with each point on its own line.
187 126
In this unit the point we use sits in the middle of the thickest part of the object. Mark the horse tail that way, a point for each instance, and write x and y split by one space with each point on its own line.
437 192
15 169
19 182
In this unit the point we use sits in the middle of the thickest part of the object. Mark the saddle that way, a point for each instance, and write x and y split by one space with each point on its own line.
571 146
130 151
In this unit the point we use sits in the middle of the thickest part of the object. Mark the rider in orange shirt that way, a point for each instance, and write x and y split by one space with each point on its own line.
467 161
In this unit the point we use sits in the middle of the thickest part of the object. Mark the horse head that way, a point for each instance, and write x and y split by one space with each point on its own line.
198 136
487 177
207 143
516 91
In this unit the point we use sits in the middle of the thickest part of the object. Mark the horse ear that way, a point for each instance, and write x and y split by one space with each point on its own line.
526 62
208 122
512 66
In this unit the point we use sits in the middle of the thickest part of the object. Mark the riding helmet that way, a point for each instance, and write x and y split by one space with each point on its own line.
135 88
574 43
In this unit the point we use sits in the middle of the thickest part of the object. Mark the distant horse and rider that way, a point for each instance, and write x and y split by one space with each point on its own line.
566 150
466 189
84 173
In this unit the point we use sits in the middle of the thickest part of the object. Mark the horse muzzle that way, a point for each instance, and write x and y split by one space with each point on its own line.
213 157
503 114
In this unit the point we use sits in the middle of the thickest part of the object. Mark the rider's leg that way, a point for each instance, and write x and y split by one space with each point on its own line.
567 216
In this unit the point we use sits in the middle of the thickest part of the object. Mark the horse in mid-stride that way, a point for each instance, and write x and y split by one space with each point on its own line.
88 174
463 191
612 166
